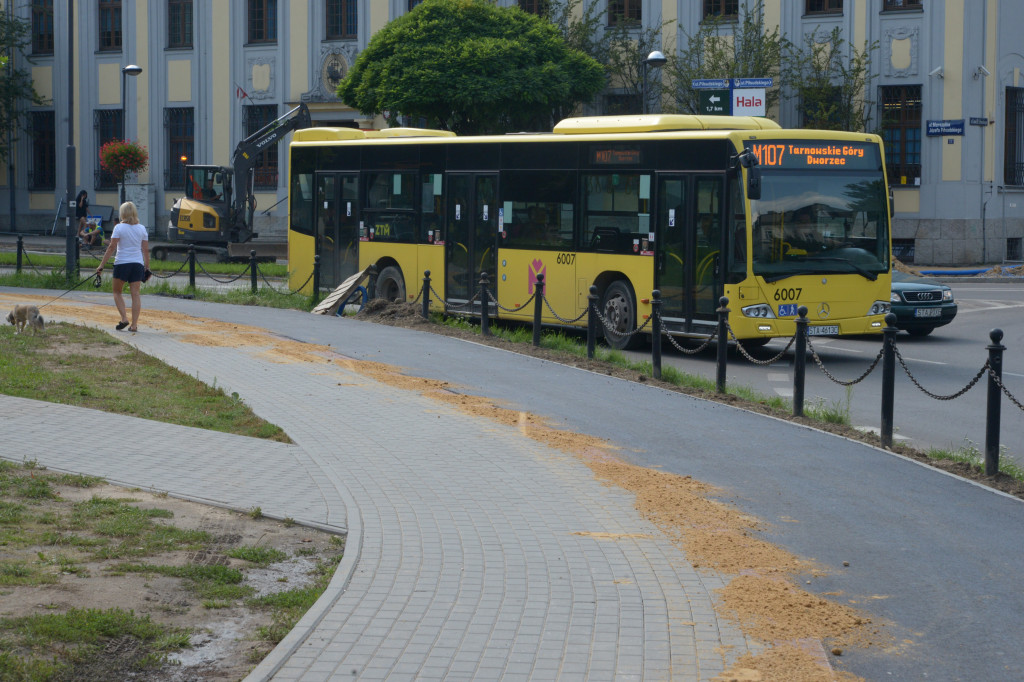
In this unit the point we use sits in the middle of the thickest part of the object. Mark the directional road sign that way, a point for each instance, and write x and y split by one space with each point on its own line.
715 102
709 83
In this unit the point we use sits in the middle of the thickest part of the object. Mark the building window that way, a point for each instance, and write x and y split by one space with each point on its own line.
265 167
262 21
42 27
1013 156
1013 249
180 126
179 23
413 3
901 131
727 9
538 7
107 126
43 174
891 5
342 19
624 12
824 7
110 25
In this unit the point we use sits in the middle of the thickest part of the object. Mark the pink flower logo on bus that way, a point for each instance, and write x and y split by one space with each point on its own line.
536 268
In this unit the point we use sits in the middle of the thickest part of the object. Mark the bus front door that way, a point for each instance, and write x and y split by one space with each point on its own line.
337 227
471 237
689 231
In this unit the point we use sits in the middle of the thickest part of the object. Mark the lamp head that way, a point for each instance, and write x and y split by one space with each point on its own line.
656 58
131 70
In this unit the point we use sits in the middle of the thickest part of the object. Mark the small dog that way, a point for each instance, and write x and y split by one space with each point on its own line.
25 315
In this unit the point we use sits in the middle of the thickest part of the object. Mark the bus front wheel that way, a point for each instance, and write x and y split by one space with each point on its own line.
391 284
619 310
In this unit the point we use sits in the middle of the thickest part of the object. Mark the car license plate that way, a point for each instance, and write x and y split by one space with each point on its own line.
927 312
823 330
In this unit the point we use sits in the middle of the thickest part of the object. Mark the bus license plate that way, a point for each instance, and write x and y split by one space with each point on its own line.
927 312
823 330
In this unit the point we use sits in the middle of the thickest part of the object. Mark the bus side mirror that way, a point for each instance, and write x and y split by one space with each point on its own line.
892 204
753 183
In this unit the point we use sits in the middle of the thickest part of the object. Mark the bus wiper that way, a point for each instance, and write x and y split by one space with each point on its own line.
866 274
786 275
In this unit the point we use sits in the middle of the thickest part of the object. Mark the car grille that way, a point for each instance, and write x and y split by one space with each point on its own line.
922 296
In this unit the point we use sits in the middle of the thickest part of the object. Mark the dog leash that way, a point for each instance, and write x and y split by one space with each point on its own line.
97 282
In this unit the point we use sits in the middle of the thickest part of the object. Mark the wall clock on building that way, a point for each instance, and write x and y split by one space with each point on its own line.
333 71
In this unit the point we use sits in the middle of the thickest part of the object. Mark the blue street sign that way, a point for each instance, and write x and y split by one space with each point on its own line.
709 83
948 127
753 82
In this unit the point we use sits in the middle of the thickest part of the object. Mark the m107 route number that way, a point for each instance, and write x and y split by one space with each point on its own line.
791 294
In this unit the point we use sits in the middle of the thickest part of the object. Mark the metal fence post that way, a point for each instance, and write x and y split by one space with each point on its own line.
426 295
252 271
316 279
723 343
995 371
888 377
485 320
799 361
656 333
21 250
538 301
192 266
371 286
591 321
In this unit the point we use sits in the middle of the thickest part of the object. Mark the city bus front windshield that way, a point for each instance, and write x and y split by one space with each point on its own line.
820 223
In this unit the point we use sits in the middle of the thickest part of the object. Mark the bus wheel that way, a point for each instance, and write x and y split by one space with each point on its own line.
391 284
619 309
159 253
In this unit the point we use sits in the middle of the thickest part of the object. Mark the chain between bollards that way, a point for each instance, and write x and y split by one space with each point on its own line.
799 364
485 320
995 373
538 296
723 343
426 295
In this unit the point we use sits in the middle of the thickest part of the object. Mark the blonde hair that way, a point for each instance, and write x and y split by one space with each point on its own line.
128 213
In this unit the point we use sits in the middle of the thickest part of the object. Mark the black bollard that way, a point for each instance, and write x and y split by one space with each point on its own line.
192 266
316 279
656 334
799 358
485 320
538 301
888 377
252 271
21 250
426 295
995 366
591 321
723 343
371 287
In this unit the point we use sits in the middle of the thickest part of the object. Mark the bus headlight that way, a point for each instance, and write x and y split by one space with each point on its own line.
880 308
759 310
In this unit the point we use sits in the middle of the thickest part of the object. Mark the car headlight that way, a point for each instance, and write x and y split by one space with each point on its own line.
759 310
947 295
895 297
882 307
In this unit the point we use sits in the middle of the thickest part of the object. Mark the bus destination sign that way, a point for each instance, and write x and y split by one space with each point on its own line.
801 154
614 156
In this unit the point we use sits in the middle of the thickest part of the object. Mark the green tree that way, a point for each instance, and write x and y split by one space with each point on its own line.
15 84
471 67
628 45
725 49
830 80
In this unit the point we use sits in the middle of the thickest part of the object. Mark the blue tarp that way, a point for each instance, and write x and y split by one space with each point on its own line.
953 273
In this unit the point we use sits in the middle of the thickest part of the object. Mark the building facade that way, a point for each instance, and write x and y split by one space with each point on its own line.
947 93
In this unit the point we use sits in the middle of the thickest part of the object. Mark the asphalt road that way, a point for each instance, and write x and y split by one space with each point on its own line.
942 363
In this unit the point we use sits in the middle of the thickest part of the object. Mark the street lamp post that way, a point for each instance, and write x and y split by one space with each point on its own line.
130 70
655 59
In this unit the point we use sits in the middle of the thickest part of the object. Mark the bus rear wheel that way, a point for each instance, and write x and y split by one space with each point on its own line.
619 310
391 284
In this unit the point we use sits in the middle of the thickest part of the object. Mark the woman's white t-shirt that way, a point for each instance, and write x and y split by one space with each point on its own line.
129 242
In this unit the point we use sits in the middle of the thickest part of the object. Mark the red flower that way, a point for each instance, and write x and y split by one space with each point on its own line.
120 157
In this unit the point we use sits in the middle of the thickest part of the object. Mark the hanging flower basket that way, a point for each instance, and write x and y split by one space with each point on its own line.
120 157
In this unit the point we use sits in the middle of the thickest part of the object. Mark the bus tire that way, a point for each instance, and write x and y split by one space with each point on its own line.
618 306
159 253
391 284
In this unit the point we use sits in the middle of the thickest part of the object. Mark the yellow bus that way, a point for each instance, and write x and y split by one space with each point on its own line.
696 207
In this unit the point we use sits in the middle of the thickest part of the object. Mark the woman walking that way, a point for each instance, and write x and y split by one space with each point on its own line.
130 242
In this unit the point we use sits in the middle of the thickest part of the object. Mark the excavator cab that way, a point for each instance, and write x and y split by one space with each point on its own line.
202 215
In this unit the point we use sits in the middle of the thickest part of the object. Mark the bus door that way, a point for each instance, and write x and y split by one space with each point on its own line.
337 227
688 264
472 234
